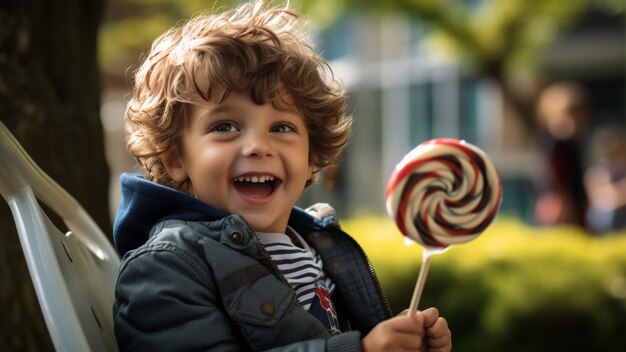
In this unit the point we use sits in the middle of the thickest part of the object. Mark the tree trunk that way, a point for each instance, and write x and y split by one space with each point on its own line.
50 100
522 106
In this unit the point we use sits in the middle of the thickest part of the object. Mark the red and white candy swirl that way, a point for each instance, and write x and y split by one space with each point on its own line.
443 192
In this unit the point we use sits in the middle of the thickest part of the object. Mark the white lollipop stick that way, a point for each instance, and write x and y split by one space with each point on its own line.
421 278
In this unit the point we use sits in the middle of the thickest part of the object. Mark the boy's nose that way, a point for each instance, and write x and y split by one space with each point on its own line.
257 145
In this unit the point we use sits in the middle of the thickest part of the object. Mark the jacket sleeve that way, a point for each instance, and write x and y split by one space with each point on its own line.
166 300
345 342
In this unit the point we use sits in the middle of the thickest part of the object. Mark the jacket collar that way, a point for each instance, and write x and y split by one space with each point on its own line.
144 204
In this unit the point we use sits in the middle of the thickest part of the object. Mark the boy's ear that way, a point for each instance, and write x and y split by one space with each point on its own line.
312 166
174 166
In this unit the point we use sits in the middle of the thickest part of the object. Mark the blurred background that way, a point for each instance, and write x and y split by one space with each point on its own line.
540 85
415 70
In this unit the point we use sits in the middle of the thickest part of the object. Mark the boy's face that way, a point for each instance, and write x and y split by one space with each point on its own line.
246 159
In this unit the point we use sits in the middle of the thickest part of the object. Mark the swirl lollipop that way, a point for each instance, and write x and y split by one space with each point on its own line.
443 192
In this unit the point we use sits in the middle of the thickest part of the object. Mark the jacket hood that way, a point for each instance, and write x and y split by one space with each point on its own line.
145 203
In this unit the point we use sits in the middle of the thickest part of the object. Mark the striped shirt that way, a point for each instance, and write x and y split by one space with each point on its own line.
302 267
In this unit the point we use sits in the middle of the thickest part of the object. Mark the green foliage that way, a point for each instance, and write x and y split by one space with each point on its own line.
131 31
487 32
118 49
483 32
515 288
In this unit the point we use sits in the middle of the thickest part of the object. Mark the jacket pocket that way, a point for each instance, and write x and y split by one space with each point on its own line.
252 295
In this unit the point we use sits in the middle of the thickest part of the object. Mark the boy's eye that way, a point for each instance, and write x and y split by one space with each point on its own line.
282 128
223 127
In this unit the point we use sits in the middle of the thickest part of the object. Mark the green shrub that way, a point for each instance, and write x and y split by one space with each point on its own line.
515 288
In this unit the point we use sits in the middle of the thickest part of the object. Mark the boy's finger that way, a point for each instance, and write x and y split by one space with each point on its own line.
440 343
430 316
412 324
438 329
439 336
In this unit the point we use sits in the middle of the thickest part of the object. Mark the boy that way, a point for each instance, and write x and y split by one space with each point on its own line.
232 117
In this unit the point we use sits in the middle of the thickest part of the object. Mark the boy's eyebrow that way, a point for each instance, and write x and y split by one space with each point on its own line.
221 108
208 113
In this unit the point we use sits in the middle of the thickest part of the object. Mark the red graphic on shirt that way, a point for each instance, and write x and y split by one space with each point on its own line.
327 305
324 299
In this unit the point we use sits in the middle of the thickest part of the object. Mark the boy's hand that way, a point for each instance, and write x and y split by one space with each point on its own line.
438 336
401 333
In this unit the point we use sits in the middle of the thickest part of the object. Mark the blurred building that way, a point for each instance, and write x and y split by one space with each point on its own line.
401 95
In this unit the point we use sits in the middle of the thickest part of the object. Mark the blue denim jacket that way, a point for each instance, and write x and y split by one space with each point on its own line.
200 280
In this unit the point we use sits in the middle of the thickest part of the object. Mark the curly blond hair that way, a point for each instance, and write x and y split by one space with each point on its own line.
254 50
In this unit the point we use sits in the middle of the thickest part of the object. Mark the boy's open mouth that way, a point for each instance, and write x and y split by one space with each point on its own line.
257 187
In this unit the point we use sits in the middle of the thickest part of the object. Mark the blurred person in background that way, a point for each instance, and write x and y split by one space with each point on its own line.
562 113
605 181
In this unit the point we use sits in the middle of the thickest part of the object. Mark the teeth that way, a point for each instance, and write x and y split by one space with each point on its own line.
255 179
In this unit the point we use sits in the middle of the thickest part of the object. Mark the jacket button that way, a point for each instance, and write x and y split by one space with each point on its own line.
236 237
268 308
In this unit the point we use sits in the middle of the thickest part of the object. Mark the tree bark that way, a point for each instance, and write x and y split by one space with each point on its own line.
50 100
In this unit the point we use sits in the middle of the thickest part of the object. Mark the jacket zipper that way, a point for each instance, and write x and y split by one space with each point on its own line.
269 264
379 288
